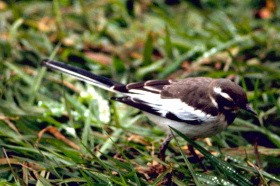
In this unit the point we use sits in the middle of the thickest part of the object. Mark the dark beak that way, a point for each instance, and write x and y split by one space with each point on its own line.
249 109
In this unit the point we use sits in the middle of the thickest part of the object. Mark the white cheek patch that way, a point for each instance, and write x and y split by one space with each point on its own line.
219 91
214 102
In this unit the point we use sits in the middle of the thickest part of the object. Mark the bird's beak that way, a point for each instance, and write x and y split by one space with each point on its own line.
249 109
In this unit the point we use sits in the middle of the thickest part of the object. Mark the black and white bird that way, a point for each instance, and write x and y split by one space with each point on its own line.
198 107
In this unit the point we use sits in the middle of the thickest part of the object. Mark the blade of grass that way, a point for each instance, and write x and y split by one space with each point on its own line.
275 139
58 17
141 72
148 49
36 85
110 142
168 43
176 64
194 176
225 168
19 72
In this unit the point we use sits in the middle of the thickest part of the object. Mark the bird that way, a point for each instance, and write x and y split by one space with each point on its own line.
198 107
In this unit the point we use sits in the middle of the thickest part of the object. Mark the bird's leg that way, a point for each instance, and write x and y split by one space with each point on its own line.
163 147
197 159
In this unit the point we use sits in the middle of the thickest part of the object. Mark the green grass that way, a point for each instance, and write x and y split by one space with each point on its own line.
132 41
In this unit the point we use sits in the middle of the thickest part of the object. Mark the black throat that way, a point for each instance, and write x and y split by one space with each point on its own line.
229 116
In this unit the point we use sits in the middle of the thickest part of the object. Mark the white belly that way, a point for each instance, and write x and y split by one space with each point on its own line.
208 128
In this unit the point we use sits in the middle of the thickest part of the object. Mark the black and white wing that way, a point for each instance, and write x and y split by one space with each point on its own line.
151 97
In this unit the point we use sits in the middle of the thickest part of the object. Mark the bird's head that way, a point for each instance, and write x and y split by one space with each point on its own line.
229 96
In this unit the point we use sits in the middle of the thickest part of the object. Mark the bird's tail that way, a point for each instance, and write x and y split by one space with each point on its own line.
99 81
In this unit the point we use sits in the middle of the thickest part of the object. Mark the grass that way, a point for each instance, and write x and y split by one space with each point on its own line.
56 130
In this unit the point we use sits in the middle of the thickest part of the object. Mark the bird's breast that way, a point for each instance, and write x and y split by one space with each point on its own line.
209 127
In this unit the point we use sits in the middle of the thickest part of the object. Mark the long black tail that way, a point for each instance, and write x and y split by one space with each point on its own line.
99 81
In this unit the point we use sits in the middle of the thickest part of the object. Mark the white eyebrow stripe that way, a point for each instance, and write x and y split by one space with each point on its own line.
219 91
225 95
